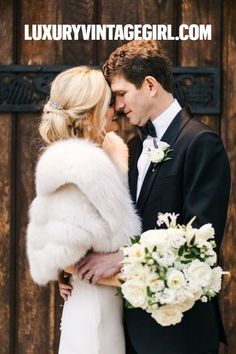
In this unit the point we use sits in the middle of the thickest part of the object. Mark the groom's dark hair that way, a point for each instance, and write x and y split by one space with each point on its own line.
136 60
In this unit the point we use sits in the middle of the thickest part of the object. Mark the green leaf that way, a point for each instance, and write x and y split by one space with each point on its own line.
192 240
181 250
188 256
195 251
128 305
149 293
135 239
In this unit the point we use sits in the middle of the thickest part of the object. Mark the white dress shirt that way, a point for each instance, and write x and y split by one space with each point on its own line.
161 123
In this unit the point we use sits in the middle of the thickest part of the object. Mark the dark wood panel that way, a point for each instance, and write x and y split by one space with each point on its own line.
35 320
6 276
161 12
44 51
79 52
228 132
202 53
5 242
112 12
34 325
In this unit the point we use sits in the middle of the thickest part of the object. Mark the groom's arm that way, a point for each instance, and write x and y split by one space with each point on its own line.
96 266
207 182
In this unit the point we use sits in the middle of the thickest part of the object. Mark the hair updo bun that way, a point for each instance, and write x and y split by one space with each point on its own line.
78 102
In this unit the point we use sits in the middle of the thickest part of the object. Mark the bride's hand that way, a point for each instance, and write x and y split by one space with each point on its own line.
65 289
96 266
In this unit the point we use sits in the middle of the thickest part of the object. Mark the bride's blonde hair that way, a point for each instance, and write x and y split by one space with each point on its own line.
79 99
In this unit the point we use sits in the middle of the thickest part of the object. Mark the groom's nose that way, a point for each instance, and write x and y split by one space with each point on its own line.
119 104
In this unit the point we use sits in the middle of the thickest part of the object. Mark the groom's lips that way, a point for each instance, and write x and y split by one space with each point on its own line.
126 113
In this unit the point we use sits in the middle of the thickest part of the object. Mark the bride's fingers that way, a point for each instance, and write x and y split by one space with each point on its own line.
81 272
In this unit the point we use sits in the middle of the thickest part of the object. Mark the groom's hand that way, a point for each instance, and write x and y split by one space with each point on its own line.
96 266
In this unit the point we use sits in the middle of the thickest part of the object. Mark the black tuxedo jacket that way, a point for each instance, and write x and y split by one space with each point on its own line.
195 182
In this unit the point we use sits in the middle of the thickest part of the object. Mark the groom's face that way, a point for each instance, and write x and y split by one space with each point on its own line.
133 101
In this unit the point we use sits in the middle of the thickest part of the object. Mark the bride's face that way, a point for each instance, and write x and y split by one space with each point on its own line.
111 123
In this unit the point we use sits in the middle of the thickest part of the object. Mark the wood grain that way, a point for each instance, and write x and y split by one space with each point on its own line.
112 12
202 53
6 193
161 12
35 321
228 132
79 52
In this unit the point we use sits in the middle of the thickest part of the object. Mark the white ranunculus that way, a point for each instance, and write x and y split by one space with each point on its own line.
153 238
199 272
206 232
167 315
134 290
156 155
163 145
175 279
216 277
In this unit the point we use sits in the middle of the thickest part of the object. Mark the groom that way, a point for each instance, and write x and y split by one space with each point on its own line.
194 182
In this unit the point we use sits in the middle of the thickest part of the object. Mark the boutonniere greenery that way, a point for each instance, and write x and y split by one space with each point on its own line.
160 152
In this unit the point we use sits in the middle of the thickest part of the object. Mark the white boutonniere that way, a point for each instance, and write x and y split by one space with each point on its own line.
159 153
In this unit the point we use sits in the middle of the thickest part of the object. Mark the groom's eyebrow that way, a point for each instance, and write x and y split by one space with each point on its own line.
118 92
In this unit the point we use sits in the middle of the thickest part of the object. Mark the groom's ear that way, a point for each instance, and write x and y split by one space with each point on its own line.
152 85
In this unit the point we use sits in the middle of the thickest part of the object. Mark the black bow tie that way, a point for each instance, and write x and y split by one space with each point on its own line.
148 129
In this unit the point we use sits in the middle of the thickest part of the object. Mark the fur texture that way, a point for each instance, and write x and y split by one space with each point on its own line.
82 203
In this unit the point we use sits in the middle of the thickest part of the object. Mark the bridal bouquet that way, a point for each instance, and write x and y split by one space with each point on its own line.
166 270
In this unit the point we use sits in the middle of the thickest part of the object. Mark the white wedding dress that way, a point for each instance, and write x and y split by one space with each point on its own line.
92 320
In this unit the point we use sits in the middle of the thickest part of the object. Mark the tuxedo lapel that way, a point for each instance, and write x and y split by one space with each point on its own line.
135 150
169 137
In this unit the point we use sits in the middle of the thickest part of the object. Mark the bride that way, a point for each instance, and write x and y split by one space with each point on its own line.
82 204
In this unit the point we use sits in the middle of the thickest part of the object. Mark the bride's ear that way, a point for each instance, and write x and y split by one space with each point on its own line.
152 85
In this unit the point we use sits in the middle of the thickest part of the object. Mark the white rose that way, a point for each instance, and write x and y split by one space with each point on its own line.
176 237
134 290
175 279
163 145
167 296
136 253
205 232
154 283
211 259
153 238
216 278
165 258
194 288
188 302
167 315
199 272
135 270
156 155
